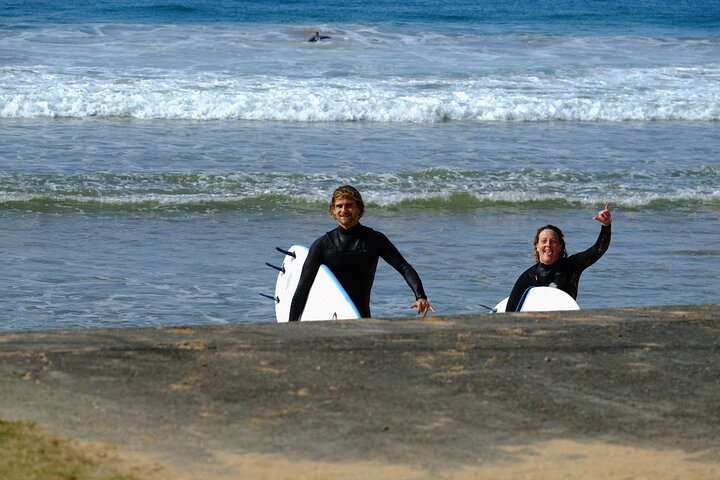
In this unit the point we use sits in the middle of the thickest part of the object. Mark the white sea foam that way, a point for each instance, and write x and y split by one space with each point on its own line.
267 72
606 95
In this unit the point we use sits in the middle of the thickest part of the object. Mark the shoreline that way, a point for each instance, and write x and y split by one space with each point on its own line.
607 393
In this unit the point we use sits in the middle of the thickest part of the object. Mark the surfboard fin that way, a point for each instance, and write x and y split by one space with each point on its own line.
286 252
279 269
276 299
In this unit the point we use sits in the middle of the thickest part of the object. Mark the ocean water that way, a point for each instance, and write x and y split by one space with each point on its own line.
154 153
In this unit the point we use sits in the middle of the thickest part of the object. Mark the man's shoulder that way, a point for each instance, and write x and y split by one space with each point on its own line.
371 233
359 231
324 238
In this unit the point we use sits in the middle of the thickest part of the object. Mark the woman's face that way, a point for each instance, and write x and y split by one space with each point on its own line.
548 247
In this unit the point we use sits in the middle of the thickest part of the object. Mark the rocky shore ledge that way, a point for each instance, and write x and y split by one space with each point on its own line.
615 393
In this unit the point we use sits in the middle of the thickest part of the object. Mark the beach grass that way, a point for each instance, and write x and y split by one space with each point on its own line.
28 453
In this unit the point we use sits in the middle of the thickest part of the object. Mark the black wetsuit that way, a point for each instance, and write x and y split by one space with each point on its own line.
565 273
352 255
317 37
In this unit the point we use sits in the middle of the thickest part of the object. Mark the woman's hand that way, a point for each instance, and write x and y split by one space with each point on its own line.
604 216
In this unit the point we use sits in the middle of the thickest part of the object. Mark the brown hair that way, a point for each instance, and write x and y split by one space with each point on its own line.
347 191
561 239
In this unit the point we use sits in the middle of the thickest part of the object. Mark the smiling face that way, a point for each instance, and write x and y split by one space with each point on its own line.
347 206
346 212
549 246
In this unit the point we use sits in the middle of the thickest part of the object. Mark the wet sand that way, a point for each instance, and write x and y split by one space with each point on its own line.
606 394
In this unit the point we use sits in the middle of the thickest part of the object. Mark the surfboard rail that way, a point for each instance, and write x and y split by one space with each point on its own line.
542 299
327 299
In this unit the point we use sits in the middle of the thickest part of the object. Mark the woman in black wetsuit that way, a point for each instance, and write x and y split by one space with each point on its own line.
352 251
554 268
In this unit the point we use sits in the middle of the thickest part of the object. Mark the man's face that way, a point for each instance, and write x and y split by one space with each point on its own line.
346 212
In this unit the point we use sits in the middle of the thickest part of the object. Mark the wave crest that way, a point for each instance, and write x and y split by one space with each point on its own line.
612 96
433 189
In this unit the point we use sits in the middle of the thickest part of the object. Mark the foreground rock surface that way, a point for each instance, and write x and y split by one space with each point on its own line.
447 397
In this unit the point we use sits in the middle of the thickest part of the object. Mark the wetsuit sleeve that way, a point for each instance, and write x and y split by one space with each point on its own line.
523 282
593 254
307 277
394 258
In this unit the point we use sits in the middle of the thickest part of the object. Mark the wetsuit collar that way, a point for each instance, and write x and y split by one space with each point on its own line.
354 231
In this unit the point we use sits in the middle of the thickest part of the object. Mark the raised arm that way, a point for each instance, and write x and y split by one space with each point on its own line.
593 254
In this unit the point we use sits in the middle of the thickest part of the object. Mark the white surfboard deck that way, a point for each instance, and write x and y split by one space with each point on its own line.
543 299
327 299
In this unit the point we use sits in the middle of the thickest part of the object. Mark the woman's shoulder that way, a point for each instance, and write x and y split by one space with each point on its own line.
532 270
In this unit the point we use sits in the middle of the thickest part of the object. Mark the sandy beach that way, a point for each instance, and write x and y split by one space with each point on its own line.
595 394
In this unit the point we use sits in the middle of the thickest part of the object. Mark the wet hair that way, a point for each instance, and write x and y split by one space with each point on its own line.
347 191
561 239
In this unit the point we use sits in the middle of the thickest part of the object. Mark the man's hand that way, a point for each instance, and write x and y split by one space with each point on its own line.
423 306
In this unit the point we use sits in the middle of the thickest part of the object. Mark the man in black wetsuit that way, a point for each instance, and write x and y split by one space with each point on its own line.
317 37
554 267
351 251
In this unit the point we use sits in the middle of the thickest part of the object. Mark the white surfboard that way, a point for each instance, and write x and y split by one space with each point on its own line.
543 299
327 300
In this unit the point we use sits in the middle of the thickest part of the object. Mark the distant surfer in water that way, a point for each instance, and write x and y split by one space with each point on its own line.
317 37
554 268
351 251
